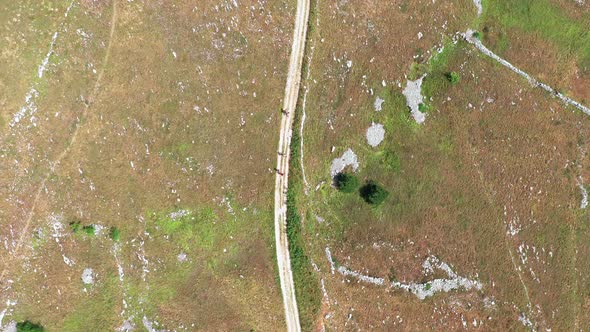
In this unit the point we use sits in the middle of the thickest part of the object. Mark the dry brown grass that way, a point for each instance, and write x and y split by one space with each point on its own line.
146 101
560 57
458 172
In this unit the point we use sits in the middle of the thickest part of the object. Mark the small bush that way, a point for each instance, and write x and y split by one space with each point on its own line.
346 183
115 234
477 35
428 286
391 275
373 193
89 230
28 326
422 107
453 77
75 226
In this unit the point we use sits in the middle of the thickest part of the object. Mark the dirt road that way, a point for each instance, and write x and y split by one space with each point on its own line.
289 104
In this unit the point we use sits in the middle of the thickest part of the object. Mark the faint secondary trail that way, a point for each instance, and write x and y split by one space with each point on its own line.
281 183
491 201
304 103
533 81
30 108
60 157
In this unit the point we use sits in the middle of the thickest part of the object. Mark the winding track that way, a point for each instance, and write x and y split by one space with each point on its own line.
281 184
62 155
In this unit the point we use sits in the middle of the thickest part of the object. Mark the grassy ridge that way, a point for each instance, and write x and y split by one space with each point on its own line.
307 288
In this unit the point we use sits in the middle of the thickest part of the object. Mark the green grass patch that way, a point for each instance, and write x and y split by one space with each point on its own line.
89 230
395 104
98 310
547 20
186 227
75 226
392 161
453 77
439 78
307 288
115 234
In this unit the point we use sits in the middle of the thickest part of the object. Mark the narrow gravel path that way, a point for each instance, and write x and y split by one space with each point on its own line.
281 185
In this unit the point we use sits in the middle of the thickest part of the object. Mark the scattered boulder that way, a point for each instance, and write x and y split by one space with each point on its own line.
375 134
414 98
348 158
88 276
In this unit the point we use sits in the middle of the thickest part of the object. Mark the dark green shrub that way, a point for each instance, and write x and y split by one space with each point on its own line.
391 275
75 226
28 326
373 193
453 77
346 183
89 230
422 107
115 234
477 34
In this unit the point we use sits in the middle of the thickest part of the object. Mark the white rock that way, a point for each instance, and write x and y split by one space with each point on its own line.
348 158
413 94
479 7
88 276
181 257
375 134
378 104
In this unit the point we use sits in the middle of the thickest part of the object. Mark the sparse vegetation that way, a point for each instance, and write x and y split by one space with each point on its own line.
439 77
346 182
391 275
188 229
453 77
373 193
391 161
307 288
546 19
89 230
75 226
28 326
422 107
115 234
88 185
